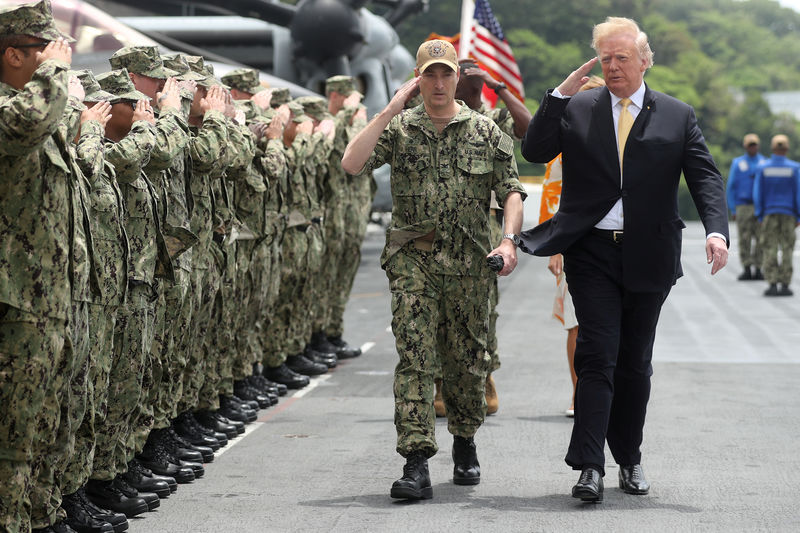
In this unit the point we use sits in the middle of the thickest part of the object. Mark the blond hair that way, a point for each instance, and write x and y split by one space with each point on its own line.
621 25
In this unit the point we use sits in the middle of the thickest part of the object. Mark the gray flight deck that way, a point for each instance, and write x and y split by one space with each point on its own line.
720 450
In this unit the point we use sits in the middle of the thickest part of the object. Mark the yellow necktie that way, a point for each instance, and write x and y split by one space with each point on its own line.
624 127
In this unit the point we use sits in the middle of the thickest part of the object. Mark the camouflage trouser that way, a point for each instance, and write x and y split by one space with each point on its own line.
58 422
748 228
444 318
172 329
205 285
272 289
133 338
327 290
496 234
102 320
30 350
307 308
777 233
349 260
219 349
280 344
249 267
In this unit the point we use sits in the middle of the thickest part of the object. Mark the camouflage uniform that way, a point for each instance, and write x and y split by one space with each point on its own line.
441 182
349 205
133 335
34 262
167 171
301 251
110 247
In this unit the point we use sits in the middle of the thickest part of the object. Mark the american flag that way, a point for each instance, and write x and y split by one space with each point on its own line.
487 44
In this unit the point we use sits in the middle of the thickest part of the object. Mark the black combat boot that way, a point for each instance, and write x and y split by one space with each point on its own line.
302 365
106 496
141 479
344 350
79 519
284 375
150 498
117 520
416 481
466 469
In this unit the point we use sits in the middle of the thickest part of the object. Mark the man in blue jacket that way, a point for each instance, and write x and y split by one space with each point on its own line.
776 197
740 201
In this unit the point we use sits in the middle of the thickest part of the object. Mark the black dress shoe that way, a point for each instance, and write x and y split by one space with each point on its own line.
344 350
106 496
286 376
117 520
632 480
301 365
151 498
466 469
79 519
136 477
589 487
416 481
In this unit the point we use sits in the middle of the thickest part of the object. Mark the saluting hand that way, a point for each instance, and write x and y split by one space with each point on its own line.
305 127
101 112
262 99
327 127
144 111
58 49
405 93
577 78
353 100
170 96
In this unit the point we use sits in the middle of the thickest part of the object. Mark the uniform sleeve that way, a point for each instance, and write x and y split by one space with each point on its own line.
208 147
130 155
502 117
273 160
29 117
382 153
172 136
505 175
91 148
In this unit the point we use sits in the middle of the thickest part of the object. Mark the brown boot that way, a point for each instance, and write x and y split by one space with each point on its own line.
438 401
491 396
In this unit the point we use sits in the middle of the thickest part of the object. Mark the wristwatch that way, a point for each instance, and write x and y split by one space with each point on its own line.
513 237
499 87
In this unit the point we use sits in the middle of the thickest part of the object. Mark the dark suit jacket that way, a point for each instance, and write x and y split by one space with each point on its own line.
664 141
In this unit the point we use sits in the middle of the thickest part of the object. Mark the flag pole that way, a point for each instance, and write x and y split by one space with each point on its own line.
467 16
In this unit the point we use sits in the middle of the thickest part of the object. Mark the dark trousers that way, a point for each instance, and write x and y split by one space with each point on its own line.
616 330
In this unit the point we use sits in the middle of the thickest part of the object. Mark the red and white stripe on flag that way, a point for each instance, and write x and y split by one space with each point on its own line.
488 45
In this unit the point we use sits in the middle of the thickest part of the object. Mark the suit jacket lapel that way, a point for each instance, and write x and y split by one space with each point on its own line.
602 128
644 116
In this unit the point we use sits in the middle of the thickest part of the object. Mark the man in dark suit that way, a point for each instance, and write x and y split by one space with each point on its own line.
624 147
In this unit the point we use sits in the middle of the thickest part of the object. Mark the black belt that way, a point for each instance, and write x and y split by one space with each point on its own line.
610 234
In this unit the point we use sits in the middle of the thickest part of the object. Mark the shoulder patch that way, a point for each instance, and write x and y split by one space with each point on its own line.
505 148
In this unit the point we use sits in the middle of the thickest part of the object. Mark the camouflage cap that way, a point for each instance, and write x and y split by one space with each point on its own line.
243 79
94 93
298 113
178 63
142 60
344 85
35 20
280 96
118 83
315 106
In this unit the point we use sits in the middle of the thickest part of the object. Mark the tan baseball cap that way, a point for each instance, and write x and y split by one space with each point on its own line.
436 51
750 138
780 141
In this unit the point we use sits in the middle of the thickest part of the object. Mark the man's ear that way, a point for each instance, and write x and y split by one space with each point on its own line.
13 57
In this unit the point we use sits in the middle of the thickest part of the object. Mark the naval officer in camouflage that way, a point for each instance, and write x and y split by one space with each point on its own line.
34 239
446 160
